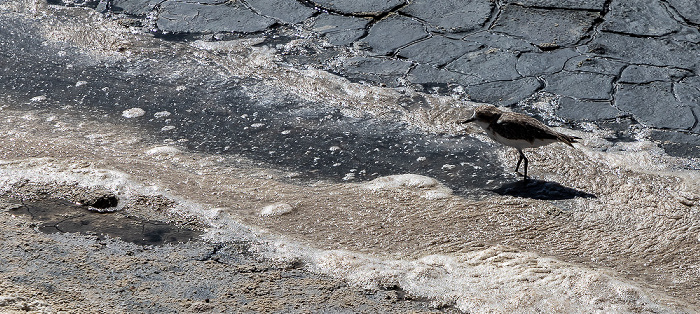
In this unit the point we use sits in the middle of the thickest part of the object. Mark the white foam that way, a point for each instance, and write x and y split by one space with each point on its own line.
437 194
163 150
133 113
498 279
401 181
276 209
448 167
38 98
161 114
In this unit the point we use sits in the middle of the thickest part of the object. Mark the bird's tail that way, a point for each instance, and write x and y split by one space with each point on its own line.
568 139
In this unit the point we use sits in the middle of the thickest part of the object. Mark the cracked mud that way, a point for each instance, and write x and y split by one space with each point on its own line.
433 44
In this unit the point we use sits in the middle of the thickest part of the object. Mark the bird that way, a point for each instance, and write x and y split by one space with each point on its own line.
516 130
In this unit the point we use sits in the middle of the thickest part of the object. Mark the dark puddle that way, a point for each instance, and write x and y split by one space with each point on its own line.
55 215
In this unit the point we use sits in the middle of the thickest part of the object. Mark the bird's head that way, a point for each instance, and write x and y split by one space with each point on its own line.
486 114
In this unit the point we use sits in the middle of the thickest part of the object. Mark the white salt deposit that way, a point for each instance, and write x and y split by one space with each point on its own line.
133 113
163 150
276 209
38 98
448 167
437 194
401 181
161 114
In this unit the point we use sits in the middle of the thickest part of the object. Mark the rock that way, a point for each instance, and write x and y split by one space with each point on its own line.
641 74
594 64
394 32
340 30
650 51
585 110
504 93
9 206
544 27
487 64
451 15
99 199
580 85
544 63
287 11
183 17
596 5
376 69
427 75
654 105
359 7
639 17
437 50
500 41
689 9
134 7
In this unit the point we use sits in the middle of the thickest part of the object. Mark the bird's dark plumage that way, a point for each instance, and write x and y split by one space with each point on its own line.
517 130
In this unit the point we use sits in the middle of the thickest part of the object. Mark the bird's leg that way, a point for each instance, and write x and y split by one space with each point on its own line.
520 159
524 158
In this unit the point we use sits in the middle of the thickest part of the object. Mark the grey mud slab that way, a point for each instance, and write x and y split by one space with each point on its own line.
449 15
592 50
181 274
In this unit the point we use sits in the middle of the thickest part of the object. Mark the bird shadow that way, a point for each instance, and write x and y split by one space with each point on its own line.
541 190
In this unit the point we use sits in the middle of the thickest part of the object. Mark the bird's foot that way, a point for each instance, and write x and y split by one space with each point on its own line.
525 177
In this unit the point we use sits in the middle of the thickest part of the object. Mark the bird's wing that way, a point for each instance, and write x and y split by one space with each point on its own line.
512 126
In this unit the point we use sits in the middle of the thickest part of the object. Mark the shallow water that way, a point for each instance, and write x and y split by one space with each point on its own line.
374 185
